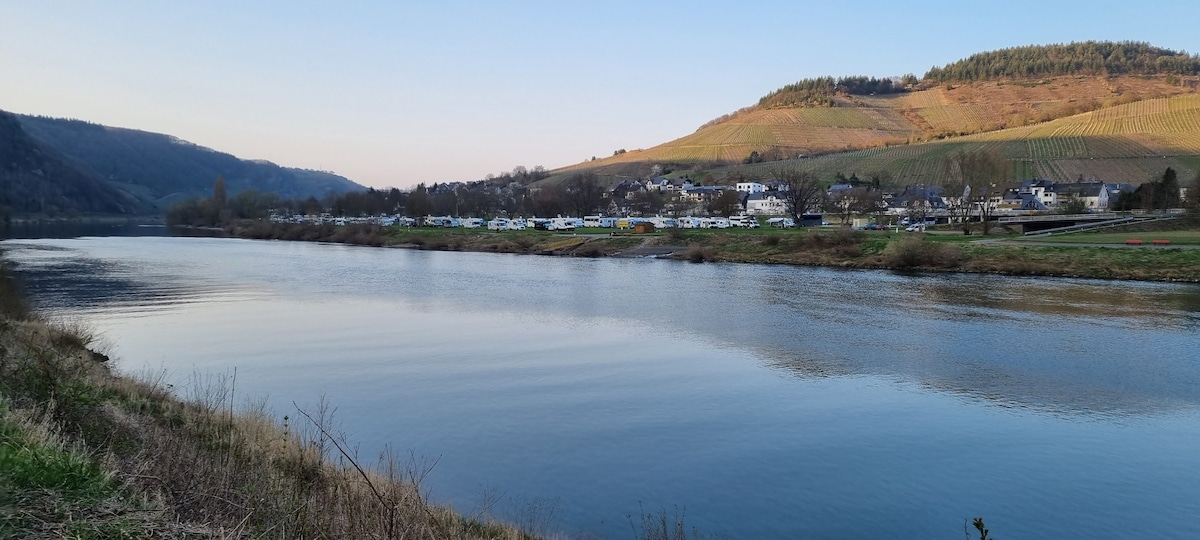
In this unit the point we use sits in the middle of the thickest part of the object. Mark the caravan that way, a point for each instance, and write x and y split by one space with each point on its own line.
663 222
599 221
443 221
562 224
748 222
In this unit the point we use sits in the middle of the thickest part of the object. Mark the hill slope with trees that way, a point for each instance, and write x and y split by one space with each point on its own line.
35 179
161 169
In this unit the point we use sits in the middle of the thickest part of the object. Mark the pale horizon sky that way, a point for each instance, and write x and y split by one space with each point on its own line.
390 94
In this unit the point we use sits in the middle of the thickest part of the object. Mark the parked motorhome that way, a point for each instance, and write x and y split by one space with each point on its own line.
562 224
720 223
441 221
749 222
781 222
472 223
498 224
663 222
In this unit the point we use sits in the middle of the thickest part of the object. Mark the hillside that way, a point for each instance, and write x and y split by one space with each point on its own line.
860 122
34 179
984 94
1124 143
161 169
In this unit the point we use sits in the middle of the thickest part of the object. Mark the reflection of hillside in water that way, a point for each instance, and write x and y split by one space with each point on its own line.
58 279
1062 347
1131 303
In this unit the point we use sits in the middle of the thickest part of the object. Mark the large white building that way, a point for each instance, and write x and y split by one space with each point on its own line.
765 204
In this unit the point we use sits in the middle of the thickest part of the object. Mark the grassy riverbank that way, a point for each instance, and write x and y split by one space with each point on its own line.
88 453
1096 255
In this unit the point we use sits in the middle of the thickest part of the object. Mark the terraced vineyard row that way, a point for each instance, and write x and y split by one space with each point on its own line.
1063 159
1057 147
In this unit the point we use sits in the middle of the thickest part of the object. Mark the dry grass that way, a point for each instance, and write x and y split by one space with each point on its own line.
197 465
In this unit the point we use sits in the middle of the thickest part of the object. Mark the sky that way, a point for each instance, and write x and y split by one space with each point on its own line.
392 93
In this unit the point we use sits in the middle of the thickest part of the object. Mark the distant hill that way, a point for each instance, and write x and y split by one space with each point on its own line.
996 97
34 178
160 169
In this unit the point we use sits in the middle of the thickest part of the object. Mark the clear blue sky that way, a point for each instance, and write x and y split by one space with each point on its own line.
394 93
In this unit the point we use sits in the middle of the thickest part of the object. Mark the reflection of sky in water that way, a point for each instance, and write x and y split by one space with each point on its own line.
886 397
1067 346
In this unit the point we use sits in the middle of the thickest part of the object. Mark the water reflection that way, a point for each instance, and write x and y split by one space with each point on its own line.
1057 346
56 277
608 382
33 230
1054 346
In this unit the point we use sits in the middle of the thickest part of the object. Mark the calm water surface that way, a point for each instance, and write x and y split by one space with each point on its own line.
765 402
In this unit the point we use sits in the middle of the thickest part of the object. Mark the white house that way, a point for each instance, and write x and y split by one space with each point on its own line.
751 187
1043 190
1094 195
765 204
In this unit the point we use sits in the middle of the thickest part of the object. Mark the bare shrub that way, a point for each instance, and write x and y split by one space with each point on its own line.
698 254
812 240
846 237
915 252
660 526
771 240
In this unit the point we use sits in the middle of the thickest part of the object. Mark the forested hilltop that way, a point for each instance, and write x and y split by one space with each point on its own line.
1096 58
1086 58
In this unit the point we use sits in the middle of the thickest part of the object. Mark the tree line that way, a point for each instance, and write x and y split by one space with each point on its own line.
1081 58
1078 58
820 91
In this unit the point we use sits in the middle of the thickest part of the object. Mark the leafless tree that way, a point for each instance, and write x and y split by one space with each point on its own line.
982 170
727 204
803 192
851 202
647 203
585 193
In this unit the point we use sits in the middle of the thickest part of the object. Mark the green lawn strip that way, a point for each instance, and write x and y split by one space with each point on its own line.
1172 264
1175 237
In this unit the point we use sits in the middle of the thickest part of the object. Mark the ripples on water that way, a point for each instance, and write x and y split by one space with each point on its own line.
771 401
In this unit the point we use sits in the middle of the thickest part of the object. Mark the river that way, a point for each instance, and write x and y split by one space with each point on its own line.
758 401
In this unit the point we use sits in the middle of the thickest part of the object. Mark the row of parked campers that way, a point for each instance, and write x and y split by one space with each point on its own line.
570 224
541 224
